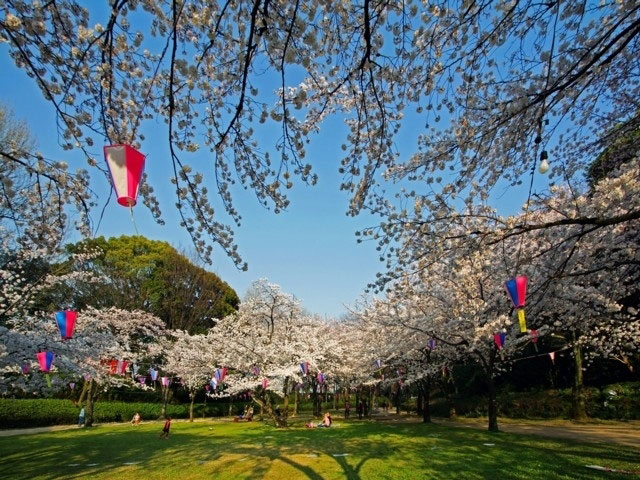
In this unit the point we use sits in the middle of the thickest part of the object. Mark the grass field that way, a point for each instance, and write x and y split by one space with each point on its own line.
354 450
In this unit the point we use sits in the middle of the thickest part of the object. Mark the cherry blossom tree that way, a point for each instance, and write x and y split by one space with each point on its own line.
99 337
190 358
498 86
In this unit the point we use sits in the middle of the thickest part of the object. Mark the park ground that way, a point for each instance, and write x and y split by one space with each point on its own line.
376 449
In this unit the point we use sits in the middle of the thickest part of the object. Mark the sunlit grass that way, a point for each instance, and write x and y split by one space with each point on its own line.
354 450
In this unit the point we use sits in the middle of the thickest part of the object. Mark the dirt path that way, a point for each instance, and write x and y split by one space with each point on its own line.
622 433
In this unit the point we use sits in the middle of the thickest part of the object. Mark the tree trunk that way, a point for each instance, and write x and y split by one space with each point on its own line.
265 406
230 407
426 398
285 408
493 402
578 403
165 398
398 400
193 399
295 402
92 397
419 402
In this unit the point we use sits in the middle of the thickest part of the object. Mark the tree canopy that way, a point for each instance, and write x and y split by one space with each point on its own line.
151 275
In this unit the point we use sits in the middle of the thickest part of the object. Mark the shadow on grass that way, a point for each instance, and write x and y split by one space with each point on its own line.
255 451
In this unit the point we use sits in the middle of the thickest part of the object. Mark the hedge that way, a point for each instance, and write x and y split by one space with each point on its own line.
44 412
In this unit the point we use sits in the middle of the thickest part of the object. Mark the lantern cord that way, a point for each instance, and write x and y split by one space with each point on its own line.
133 220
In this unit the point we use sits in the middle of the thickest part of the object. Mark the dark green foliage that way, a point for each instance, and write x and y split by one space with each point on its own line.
621 145
611 402
150 275
45 412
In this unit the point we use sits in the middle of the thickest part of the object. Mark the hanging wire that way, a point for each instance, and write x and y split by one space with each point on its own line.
133 220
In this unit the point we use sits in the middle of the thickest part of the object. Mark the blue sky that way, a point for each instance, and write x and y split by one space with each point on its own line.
310 250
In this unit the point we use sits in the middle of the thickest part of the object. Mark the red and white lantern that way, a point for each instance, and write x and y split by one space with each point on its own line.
126 165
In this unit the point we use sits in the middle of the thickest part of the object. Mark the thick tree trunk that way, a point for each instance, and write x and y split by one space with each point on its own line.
578 403
426 398
493 401
193 399
265 406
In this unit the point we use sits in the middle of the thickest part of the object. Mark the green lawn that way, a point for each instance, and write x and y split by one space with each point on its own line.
355 450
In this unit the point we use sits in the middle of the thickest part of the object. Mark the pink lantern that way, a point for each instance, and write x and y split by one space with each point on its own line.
265 382
25 368
72 385
165 381
126 165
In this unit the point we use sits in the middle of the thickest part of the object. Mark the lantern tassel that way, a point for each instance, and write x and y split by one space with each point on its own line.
48 377
521 319
133 220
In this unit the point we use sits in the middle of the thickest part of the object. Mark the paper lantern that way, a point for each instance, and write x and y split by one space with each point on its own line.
154 374
72 385
207 387
379 363
87 377
113 366
121 366
304 368
166 381
256 370
432 344
214 383
265 382
66 321
134 370
25 368
497 338
552 355
45 359
126 165
517 291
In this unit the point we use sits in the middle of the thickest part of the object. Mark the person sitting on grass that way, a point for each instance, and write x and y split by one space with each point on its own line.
136 419
165 429
326 421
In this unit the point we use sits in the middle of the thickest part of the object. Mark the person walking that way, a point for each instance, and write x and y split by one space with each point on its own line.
81 417
347 409
165 429
360 409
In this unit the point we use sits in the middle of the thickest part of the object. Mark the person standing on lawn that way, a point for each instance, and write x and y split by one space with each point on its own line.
347 409
81 417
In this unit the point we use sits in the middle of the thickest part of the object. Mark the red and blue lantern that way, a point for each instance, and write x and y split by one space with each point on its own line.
379 363
499 339
25 368
154 374
517 291
66 321
265 383
432 344
45 359
304 368
126 165
320 377
142 380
